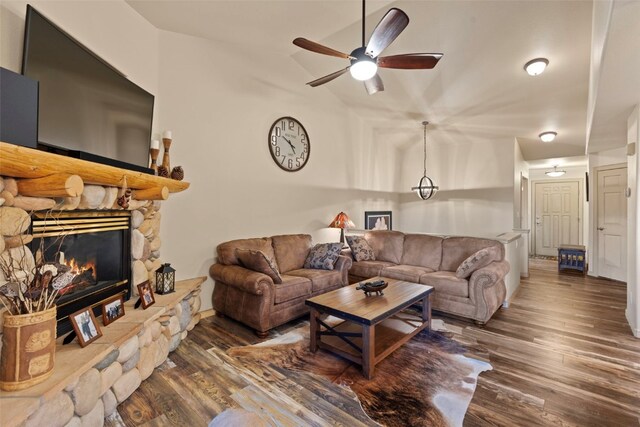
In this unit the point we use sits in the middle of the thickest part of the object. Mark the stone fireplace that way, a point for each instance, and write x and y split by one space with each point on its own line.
43 195
95 245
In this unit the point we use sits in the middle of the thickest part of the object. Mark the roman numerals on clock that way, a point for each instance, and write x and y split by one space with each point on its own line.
289 144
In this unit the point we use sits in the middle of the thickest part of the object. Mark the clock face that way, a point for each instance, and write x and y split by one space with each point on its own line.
289 144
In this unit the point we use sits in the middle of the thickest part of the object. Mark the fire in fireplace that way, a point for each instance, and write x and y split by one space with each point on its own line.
95 246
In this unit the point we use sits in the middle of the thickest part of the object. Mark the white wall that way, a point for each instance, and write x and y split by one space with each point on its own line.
476 188
633 219
220 101
520 169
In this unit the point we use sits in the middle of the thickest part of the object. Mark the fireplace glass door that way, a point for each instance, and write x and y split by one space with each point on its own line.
96 246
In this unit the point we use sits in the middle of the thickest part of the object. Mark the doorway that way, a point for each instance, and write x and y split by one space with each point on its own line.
558 215
611 222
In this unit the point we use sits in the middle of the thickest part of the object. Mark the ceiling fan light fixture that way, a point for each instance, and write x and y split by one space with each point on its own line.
536 66
548 136
555 173
363 67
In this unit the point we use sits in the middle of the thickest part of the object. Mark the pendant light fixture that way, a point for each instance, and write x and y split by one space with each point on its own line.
425 189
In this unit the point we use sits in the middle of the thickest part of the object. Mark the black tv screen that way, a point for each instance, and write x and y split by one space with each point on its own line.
86 106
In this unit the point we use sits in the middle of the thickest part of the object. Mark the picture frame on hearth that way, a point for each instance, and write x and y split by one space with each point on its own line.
145 291
112 309
378 220
85 326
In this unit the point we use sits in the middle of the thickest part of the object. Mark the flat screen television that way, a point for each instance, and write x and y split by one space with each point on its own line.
87 109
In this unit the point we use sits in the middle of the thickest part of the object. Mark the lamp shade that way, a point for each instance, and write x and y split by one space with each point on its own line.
342 221
165 279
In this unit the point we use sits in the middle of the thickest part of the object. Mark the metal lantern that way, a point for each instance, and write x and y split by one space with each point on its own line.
165 279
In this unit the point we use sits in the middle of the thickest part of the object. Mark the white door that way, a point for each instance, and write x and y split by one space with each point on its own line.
612 224
558 209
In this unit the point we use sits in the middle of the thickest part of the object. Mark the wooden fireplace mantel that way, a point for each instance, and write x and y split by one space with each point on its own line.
48 170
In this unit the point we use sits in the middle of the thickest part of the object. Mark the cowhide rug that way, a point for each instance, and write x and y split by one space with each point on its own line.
426 382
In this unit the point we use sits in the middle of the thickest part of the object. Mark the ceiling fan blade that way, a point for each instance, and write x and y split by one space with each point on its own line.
389 27
410 61
328 78
374 85
318 48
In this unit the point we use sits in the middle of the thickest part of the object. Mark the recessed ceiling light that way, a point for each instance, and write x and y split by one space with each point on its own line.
548 136
536 66
555 172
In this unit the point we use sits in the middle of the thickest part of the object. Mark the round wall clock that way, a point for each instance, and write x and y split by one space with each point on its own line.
289 144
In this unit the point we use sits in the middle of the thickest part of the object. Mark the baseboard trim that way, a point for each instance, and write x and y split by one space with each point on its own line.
634 328
207 313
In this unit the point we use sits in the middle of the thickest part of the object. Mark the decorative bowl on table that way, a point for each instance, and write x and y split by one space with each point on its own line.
373 287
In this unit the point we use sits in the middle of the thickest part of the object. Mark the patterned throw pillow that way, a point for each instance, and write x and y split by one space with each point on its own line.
360 248
323 256
480 259
258 261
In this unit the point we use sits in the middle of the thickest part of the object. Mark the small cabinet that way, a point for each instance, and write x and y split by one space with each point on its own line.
572 257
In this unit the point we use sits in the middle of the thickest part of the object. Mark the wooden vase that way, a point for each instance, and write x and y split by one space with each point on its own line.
28 349
166 143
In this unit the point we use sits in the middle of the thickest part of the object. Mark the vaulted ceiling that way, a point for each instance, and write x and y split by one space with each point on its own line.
479 90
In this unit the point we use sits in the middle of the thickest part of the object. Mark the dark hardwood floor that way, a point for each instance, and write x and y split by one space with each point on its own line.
562 354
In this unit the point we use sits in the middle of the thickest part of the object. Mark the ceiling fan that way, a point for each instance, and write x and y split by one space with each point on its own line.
365 60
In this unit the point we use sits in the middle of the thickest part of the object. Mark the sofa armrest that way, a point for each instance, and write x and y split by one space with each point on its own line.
242 278
489 275
343 264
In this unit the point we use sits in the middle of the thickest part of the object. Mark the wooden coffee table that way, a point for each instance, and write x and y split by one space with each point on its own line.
374 326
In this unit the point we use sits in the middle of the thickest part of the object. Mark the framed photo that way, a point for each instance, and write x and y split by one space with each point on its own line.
146 294
85 326
112 309
378 220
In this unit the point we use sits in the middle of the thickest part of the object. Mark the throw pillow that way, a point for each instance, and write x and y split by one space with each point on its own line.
476 261
258 261
323 256
360 248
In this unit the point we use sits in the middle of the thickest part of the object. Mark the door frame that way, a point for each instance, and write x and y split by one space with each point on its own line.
532 218
593 185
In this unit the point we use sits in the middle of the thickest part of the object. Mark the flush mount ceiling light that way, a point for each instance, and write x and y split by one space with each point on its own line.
548 136
536 66
555 172
425 188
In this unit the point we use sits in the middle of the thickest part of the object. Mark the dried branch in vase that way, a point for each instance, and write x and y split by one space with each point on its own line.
33 285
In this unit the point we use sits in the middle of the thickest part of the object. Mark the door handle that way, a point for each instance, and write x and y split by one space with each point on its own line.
601 228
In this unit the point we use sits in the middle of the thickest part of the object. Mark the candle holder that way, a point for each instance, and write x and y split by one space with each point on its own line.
166 142
154 152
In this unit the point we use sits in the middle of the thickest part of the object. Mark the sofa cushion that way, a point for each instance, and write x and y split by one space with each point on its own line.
422 250
291 250
258 261
457 249
227 250
323 256
480 259
387 245
410 273
292 287
368 269
361 250
446 282
320 279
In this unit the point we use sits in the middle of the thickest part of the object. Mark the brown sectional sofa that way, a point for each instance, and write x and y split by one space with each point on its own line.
433 261
252 297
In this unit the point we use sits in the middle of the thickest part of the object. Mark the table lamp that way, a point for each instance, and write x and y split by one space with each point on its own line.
342 221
